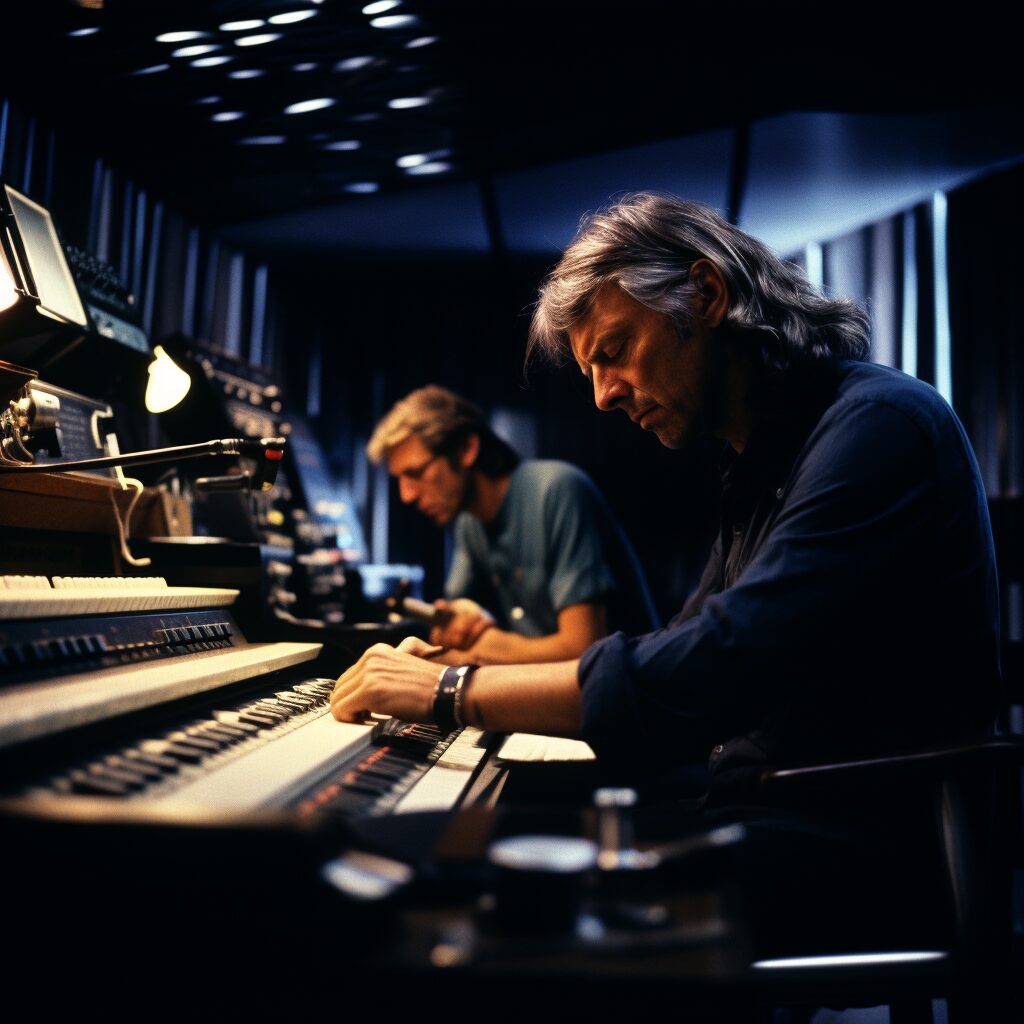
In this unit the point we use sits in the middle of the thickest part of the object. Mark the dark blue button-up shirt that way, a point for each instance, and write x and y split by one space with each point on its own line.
849 604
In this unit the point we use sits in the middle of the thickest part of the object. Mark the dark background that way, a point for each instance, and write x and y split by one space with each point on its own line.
827 131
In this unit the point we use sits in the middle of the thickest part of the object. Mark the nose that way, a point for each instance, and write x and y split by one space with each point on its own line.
407 490
609 390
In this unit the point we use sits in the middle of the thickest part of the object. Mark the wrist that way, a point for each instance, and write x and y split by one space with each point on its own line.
450 696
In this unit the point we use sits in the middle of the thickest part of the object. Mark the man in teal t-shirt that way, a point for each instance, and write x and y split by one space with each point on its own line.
541 569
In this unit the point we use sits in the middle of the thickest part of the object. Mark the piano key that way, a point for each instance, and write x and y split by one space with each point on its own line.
234 719
271 774
207 744
94 785
52 705
176 750
135 765
133 780
157 761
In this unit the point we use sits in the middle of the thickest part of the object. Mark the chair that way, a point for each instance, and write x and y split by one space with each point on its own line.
1007 516
973 791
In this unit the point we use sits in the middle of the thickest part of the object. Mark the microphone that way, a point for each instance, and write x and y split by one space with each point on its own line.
269 451
403 603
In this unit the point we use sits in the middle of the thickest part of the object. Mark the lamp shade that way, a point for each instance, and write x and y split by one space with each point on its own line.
168 382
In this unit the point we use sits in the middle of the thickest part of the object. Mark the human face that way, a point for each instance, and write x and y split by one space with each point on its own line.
429 480
637 362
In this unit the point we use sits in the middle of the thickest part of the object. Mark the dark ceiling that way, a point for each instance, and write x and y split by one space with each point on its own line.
490 87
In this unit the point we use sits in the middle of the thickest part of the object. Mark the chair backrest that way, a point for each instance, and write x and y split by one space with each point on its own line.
1008 533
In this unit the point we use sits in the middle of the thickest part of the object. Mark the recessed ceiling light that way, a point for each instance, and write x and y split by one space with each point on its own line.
290 17
227 115
421 41
262 140
90 31
433 167
209 62
195 51
362 187
353 63
208 99
369 115
152 69
305 66
242 26
305 106
380 6
412 160
179 37
263 37
343 145
247 73
395 21
408 102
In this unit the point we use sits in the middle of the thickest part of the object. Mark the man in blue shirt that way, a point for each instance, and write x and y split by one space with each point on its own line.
535 542
849 605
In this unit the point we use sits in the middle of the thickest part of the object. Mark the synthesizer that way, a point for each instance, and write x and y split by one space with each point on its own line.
133 691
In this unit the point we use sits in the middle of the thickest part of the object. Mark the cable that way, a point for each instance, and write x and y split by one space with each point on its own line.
124 527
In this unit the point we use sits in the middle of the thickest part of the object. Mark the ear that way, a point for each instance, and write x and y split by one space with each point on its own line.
713 303
469 451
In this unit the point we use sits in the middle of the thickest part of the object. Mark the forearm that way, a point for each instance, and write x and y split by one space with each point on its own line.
541 698
501 647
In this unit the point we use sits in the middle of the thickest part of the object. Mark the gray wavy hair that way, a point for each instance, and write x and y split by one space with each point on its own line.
646 244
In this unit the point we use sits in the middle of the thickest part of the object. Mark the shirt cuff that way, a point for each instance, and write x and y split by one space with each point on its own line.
610 713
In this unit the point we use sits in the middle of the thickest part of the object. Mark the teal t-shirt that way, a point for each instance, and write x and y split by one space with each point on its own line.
554 543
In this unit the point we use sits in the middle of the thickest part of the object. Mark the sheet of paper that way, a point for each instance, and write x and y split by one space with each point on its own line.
528 746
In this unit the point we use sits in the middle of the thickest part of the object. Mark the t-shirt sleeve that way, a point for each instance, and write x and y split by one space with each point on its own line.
463 579
578 570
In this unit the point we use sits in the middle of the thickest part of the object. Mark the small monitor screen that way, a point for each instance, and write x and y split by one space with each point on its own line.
55 287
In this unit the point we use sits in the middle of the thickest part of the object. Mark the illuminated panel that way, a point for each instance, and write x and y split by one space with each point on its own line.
53 281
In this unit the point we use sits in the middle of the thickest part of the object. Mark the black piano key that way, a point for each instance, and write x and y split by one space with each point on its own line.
133 780
315 689
222 729
182 737
159 761
234 719
139 767
270 704
262 707
95 785
211 732
295 698
192 755
260 719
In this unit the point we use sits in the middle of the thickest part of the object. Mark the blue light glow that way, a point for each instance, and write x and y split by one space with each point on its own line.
908 342
815 264
943 336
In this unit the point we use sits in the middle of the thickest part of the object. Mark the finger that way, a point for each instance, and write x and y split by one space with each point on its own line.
479 628
414 645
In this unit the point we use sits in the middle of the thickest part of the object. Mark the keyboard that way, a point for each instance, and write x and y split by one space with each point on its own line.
34 597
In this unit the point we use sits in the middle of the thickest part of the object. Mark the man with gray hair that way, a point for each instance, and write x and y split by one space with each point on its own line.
851 591
848 608
535 543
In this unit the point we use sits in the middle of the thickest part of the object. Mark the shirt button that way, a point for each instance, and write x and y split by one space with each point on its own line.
778 493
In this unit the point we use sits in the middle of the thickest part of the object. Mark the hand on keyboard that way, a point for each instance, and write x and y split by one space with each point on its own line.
396 681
